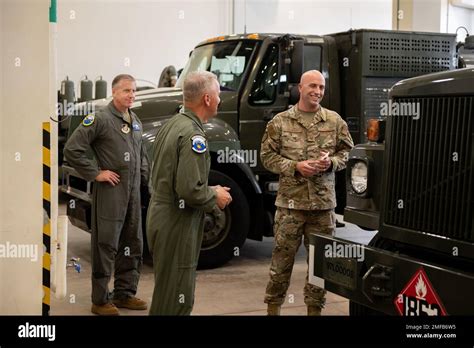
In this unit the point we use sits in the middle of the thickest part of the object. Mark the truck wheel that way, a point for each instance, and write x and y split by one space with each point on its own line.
356 309
224 230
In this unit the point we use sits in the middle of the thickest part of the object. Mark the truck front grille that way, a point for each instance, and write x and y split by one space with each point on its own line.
430 184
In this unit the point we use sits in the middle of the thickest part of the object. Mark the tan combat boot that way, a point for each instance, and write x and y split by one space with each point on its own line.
105 309
130 303
273 309
314 311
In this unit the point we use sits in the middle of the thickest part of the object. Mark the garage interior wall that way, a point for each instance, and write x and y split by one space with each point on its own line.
105 38
312 17
139 37
453 16
435 16
24 105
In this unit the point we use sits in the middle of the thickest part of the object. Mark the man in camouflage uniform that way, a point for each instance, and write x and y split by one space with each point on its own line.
306 145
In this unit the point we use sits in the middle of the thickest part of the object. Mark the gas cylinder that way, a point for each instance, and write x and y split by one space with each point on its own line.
67 90
86 89
100 88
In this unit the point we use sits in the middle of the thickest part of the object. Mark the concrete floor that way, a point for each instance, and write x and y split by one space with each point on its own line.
236 288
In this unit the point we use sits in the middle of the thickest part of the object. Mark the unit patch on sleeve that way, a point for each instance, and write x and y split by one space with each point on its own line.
88 120
198 144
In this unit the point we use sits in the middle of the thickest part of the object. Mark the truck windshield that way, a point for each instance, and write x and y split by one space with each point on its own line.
228 60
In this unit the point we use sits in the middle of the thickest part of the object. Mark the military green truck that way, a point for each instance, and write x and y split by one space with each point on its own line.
259 75
421 261
387 60
364 182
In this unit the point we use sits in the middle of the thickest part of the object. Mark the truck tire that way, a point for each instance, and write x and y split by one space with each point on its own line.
225 230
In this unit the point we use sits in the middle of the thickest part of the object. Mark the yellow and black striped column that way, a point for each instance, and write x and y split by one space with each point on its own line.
47 217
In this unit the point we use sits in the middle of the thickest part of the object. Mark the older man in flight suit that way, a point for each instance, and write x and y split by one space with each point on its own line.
181 196
115 136
305 145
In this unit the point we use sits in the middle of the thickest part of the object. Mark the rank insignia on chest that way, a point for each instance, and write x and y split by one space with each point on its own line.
136 126
125 128
198 144
88 120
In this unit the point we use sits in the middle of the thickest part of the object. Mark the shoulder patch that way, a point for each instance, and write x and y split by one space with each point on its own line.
198 144
88 120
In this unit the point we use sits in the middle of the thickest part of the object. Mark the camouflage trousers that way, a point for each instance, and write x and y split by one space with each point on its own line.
290 227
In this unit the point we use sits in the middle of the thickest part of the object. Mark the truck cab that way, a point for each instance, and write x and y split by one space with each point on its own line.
377 60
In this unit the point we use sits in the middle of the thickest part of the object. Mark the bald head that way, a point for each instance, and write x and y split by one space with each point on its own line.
311 75
311 87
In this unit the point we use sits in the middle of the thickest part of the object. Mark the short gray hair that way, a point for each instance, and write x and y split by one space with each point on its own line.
196 84
121 77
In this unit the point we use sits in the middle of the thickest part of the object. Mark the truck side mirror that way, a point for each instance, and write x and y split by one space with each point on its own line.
296 64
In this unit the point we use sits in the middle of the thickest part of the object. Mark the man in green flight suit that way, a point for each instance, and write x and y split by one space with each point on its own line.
181 196
115 136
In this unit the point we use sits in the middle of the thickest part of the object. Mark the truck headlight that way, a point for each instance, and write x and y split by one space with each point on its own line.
359 177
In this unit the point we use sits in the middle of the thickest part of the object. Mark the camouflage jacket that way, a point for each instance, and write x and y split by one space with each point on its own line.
289 139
